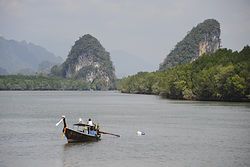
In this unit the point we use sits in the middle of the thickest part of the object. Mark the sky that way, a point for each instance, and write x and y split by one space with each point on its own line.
144 28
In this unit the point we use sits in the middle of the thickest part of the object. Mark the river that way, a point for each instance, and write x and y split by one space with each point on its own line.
178 133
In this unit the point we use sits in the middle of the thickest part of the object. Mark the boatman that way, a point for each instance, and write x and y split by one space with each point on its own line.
90 123
91 128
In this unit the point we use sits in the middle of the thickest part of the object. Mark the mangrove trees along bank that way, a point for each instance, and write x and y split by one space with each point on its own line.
223 75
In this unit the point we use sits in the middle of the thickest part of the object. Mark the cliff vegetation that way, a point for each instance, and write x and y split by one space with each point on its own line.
204 38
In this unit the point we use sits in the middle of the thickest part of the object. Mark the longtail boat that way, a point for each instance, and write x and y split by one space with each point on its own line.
84 132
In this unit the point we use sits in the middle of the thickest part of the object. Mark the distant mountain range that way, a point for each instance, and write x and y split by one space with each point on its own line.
25 58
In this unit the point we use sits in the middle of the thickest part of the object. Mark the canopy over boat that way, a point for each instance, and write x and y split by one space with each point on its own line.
81 124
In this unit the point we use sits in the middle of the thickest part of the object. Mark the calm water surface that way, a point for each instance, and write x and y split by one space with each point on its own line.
178 133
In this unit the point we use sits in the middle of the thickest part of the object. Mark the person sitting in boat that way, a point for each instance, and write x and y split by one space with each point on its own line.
92 131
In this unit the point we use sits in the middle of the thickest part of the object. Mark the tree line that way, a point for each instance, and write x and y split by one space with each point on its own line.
223 75
39 82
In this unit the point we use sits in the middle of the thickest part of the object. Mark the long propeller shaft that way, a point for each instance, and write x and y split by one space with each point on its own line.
107 133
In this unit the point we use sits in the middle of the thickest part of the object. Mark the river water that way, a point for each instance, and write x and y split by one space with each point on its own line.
178 133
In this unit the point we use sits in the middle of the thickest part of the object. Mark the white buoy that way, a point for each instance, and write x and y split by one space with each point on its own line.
139 133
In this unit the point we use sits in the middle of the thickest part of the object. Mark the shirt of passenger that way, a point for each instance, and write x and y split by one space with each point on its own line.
92 132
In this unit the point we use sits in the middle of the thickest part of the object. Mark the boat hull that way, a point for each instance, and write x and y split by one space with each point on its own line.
76 136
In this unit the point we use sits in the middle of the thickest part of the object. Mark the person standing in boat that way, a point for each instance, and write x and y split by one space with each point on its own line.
90 123
91 128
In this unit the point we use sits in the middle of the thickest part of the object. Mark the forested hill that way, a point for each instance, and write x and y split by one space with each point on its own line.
90 62
223 75
204 38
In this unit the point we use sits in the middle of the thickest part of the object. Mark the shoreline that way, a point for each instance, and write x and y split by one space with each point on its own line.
245 100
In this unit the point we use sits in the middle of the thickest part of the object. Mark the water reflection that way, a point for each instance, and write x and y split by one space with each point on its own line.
68 146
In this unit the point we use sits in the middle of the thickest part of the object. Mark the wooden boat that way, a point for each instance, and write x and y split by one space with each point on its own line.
86 134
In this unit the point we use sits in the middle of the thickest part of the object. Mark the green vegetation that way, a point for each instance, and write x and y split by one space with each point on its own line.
224 75
21 82
205 35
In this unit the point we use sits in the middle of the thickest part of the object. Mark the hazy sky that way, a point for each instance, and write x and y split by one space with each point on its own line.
146 28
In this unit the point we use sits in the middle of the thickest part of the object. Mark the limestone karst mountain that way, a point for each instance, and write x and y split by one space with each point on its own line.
204 38
90 62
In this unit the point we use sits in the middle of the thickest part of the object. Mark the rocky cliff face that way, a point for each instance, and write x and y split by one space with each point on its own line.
204 38
90 62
